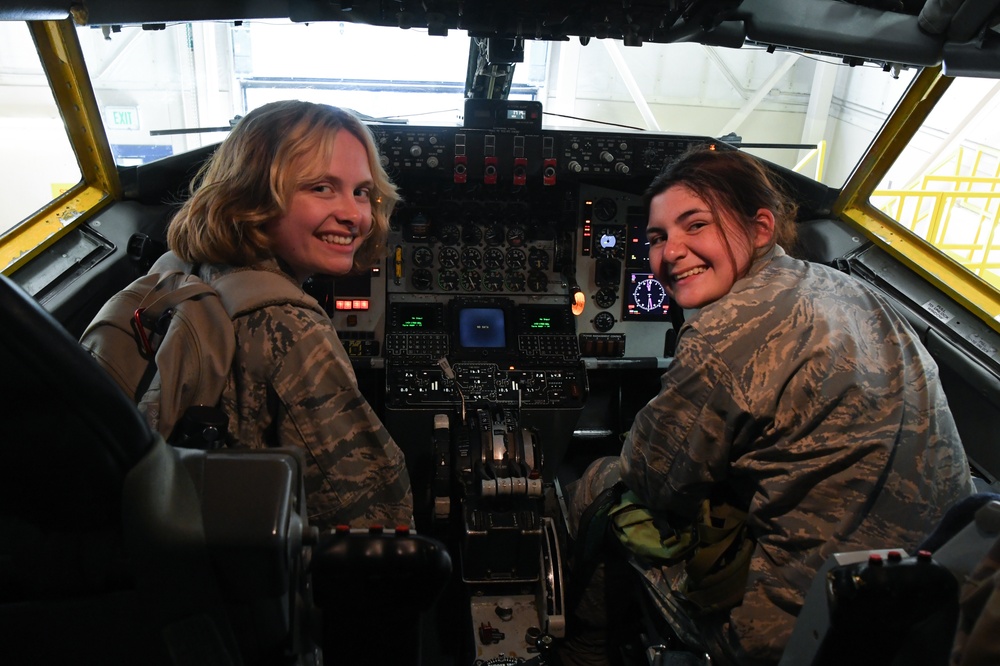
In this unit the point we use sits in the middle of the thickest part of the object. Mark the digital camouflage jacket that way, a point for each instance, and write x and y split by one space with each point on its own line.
292 384
805 397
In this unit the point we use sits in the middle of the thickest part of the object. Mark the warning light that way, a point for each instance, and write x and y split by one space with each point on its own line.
352 304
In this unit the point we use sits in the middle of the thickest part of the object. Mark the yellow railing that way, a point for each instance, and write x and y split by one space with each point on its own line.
958 214
819 154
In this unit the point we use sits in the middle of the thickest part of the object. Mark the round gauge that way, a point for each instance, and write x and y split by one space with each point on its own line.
448 280
514 281
605 297
610 241
604 321
515 258
538 258
494 234
605 209
493 281
472 233
515 236
448 257
422 279
471 258
493 257
648 294
422 256
537 281
471 280
450 233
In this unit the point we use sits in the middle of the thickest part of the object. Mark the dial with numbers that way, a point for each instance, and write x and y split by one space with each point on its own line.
538 258
471 280
471 257
493 257
448 257
515 258
494 234
422 279
605 297
648 295
514 281
423 257
450 233
604 321
515 236
537 281
448 280
493 280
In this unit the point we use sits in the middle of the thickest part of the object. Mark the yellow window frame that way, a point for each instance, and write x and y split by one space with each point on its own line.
62 59
854 203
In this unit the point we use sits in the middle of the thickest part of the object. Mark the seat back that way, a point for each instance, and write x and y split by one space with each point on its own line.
116 548
70 438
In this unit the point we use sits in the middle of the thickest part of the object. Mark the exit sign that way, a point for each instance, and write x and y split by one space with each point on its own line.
121 117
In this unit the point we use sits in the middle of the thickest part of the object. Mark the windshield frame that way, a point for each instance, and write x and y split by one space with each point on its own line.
853 203
66 71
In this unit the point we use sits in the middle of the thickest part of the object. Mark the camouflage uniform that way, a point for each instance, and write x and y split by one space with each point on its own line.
802 395
292 384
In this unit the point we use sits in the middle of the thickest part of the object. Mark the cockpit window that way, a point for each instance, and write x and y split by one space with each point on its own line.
170 90
38 160
167 91
945 185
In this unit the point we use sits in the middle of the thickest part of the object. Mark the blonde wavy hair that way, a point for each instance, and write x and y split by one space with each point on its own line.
249 181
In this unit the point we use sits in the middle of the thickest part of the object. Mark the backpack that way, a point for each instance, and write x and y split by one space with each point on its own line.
167 339
715 548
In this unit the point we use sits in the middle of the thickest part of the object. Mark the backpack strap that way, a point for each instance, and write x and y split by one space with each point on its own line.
160 301
244 290
591 541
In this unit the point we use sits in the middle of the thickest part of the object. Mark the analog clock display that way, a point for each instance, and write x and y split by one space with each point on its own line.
645 299
648 295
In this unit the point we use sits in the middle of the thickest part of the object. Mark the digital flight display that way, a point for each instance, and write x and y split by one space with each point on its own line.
544 319
414 320
482 328
416 317
645 299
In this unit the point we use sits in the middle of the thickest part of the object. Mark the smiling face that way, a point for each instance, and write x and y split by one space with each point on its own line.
696 254
329 214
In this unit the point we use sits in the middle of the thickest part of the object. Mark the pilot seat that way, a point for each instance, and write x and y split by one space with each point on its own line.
118 548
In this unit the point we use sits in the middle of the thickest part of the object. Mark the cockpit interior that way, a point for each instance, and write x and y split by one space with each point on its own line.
508 337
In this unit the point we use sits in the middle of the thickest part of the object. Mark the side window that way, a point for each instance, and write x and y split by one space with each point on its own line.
945 186
39 162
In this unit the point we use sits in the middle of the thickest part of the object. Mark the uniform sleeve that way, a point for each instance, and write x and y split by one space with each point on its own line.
681 442
355 472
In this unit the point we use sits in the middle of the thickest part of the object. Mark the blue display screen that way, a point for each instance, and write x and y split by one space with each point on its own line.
482 327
